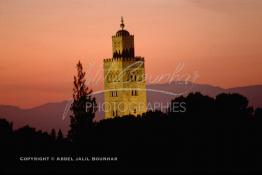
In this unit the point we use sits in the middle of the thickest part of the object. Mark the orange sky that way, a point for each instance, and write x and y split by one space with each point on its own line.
41 41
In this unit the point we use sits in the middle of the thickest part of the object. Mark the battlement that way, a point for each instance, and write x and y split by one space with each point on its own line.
117 36
124 59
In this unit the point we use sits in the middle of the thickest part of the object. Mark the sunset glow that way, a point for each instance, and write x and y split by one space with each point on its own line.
41 41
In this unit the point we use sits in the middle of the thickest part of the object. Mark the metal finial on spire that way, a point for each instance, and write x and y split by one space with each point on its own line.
122 25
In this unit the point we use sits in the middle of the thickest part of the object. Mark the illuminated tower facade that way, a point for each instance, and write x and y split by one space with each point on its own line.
124 78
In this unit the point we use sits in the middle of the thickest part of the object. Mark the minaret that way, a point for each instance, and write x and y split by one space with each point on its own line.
123 43
124 78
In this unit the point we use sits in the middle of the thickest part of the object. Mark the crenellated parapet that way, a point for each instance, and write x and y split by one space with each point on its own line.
138 58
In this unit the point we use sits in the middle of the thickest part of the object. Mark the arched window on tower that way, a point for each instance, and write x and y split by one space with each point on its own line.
113 94
134 92
130 77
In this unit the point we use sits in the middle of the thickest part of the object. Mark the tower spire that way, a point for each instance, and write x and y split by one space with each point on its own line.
122 25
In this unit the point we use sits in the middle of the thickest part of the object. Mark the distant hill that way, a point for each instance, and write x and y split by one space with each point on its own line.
50 115
43 117
253 93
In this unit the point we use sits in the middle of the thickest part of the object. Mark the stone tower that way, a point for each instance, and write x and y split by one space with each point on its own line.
124 78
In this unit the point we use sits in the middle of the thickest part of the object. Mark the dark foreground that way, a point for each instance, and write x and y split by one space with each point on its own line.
213 135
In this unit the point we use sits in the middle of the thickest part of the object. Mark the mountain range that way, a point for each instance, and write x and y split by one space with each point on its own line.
56 115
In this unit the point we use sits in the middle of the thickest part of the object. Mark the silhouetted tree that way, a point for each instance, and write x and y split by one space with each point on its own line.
6 128
258 114
83 107
53 134
232 107
60 136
